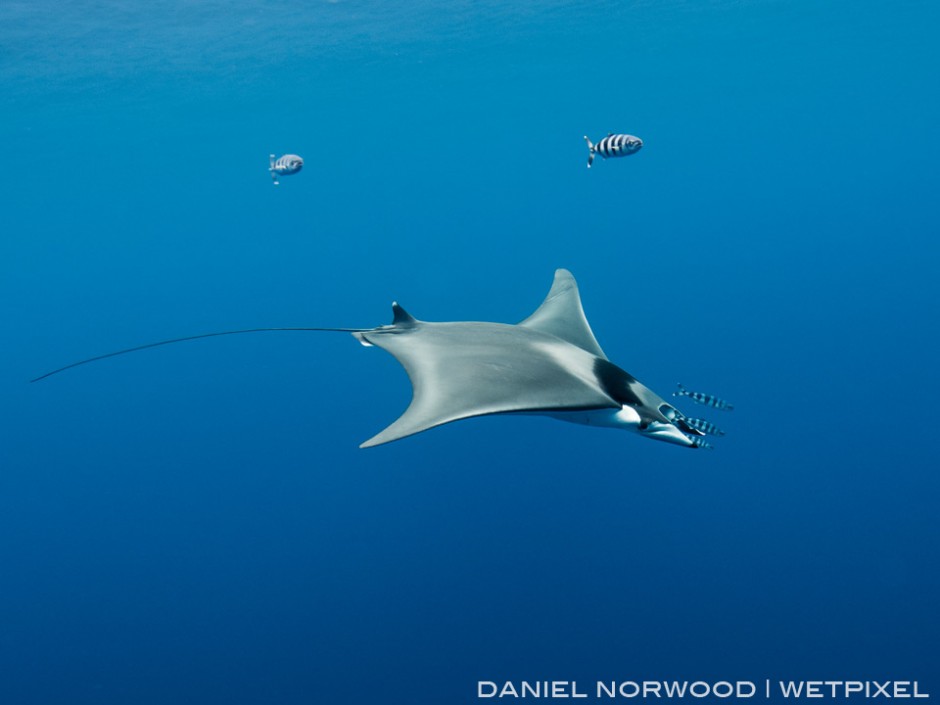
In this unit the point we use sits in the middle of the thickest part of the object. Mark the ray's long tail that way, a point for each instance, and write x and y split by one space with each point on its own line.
191 337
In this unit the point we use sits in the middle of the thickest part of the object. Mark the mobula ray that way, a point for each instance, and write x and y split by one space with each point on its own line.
549 364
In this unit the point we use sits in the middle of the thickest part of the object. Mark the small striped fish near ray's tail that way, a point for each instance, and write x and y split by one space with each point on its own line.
703 399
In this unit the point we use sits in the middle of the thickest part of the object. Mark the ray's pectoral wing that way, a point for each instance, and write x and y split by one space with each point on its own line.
461 370
562 315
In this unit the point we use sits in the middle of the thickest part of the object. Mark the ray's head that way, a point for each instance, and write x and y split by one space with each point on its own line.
669 427
667 432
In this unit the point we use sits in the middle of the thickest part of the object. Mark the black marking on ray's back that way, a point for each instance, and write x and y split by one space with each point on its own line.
616 382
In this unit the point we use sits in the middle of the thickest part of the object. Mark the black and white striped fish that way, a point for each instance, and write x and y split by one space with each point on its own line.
285 166
613 146
704 399
700 442
704 426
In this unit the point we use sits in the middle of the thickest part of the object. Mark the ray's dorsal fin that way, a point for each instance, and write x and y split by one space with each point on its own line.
562 315
401 318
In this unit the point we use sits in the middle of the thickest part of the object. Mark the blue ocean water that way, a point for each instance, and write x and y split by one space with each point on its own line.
196 524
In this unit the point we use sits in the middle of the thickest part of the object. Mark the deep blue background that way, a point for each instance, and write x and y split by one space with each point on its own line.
197 525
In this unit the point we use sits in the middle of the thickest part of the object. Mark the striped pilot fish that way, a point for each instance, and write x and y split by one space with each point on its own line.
704 426
285 166
704 399
613 146
700 442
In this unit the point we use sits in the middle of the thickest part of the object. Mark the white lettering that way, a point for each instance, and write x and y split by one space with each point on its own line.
722 689
791 689
486 684
725 686
527 689
624 686
675 689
